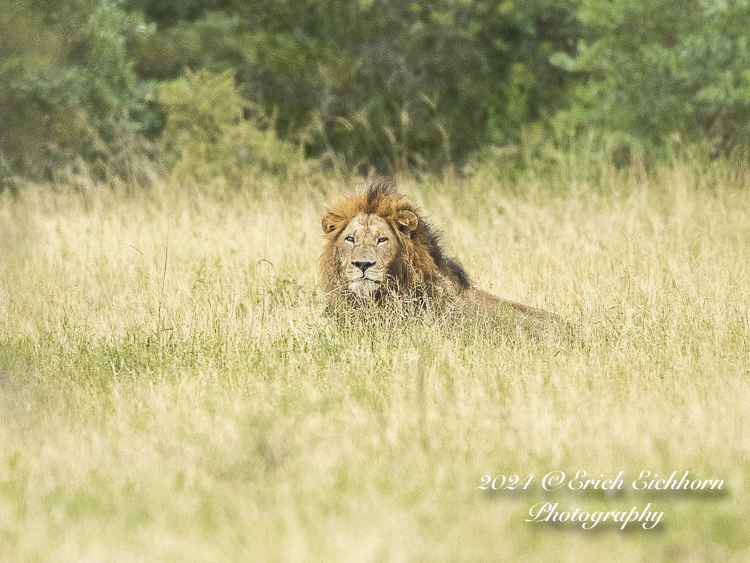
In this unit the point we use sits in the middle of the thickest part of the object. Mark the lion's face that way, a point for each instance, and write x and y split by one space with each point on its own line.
367 247
371 252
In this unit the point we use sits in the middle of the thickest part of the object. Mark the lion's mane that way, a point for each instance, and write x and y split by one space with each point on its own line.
420 268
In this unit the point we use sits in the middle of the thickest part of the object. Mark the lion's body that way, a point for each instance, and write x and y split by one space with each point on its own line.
380 250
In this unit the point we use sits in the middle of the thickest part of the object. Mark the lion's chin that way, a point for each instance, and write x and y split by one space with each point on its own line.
364 288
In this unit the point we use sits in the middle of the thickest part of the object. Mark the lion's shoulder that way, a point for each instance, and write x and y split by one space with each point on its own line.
448 267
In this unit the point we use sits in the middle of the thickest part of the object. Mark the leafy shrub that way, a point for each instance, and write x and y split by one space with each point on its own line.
664 70
67 89
209 137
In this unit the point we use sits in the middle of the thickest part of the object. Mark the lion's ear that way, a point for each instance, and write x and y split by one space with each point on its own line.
407 222
332 222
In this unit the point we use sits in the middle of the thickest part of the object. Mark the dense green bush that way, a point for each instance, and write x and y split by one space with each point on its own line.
67 90
368 83
383 83
657 71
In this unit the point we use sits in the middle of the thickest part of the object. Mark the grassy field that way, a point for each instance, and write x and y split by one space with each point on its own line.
171 389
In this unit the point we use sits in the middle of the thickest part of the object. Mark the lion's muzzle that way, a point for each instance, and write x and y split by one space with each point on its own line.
364 288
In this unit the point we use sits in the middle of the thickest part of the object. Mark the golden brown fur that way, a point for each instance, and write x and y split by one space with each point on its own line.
380 250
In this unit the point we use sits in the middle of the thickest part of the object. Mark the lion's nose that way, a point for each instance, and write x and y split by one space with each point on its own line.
363 266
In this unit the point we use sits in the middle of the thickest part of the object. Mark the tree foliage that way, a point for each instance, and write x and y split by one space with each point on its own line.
384 83
372 83
67 88
658 69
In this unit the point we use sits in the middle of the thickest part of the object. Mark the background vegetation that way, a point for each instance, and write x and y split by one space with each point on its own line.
357 84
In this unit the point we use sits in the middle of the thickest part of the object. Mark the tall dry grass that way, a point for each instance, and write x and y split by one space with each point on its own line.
170 388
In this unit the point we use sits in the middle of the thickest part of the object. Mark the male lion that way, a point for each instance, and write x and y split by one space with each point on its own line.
381 252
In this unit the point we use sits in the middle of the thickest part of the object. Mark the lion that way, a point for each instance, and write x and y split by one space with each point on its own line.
380 251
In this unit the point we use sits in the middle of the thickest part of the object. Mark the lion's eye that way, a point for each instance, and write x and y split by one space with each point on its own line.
349 239
381 240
